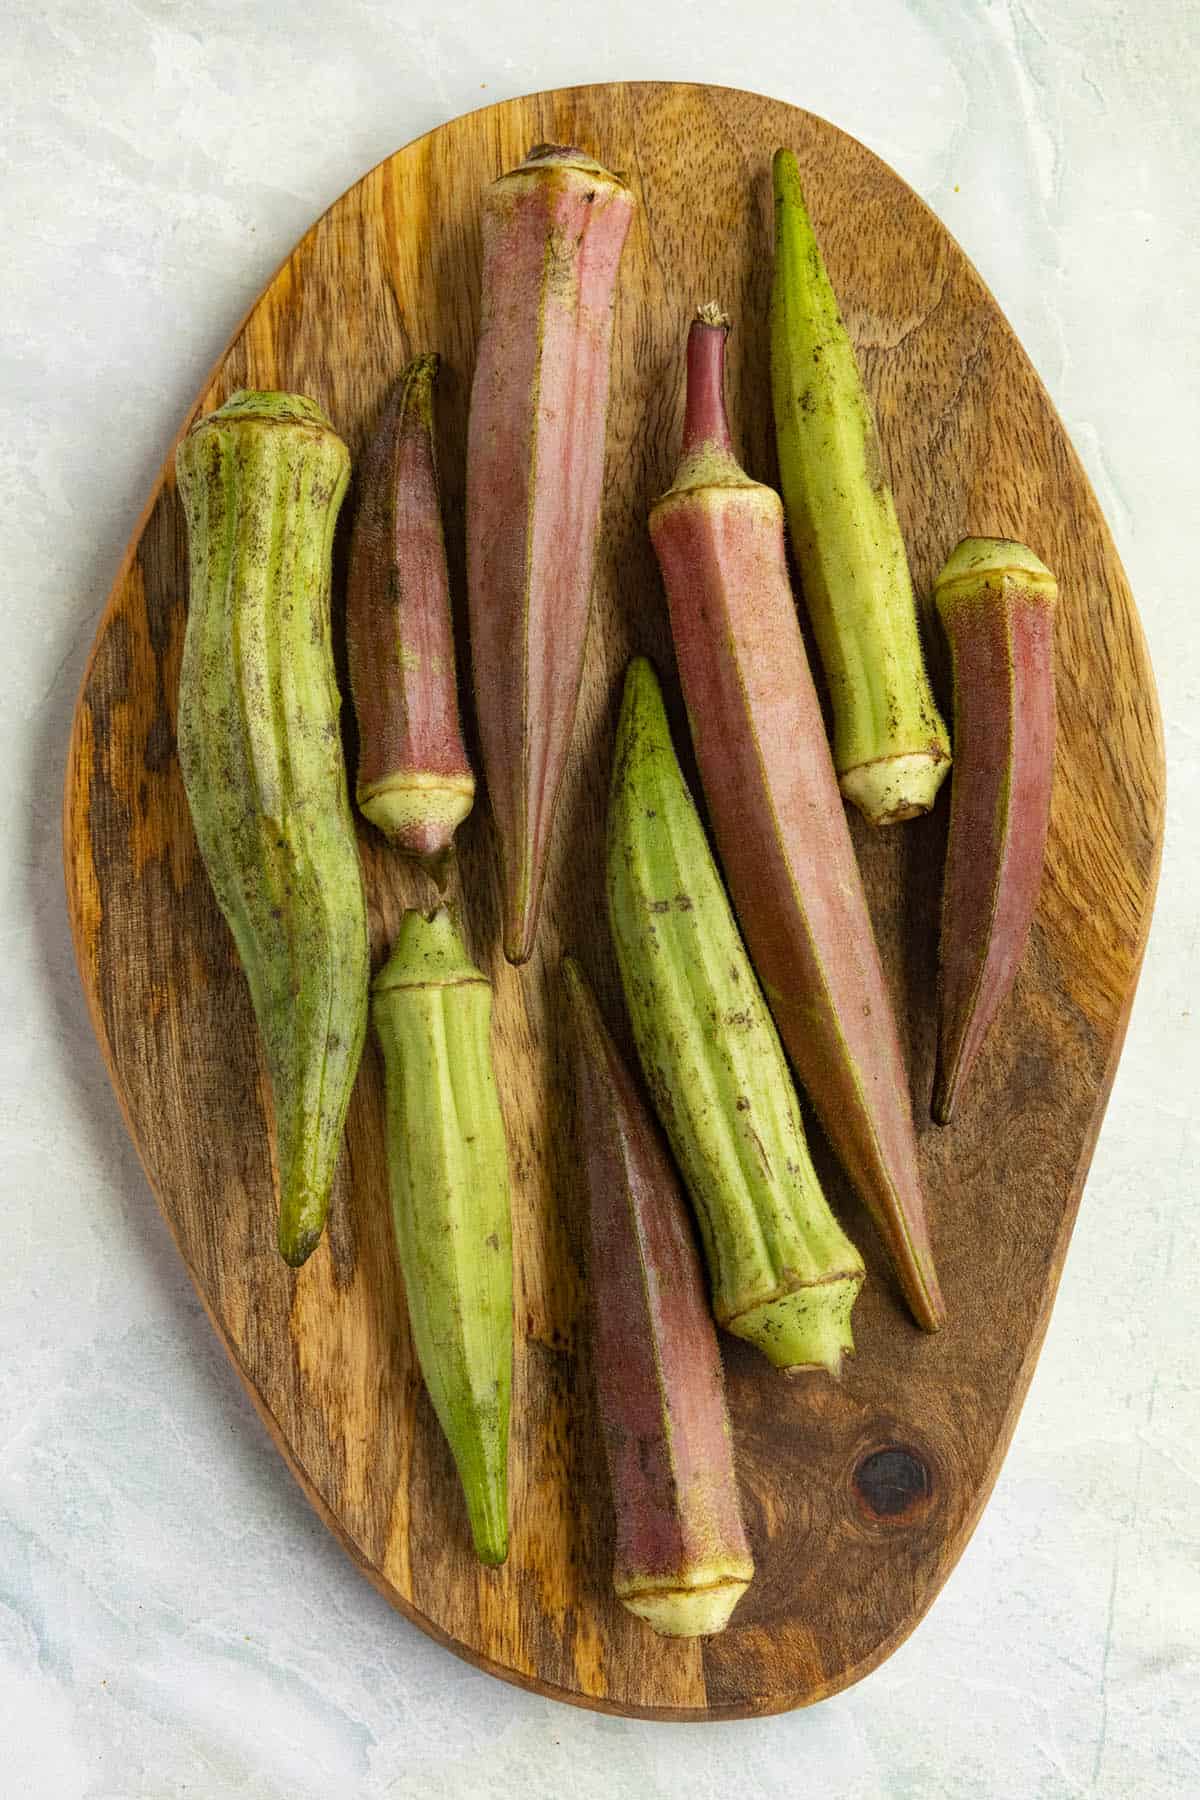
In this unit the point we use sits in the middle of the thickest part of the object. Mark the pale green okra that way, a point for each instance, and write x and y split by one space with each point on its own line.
261 480
448 1173
783 1274
890 745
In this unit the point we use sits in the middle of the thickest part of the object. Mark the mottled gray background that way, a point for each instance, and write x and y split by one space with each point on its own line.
173 1620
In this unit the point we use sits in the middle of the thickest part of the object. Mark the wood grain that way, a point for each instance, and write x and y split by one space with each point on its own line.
859 1497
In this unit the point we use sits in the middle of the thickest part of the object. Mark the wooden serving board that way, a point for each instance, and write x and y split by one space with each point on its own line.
859 1496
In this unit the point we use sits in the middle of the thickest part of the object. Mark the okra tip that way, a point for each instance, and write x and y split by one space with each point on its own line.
785 176
586 1019
520 936
642 729
923 1292
945 1092
792 221
642 687
574 980
486 1503
421 372
296 1241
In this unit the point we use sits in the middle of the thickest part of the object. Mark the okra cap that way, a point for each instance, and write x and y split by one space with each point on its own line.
428 952
978 562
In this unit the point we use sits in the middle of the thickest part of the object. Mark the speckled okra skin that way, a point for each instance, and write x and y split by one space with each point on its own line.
261 481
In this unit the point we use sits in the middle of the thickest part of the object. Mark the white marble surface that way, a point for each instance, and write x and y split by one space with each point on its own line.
173 1621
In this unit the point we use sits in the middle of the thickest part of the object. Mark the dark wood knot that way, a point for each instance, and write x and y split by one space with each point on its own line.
894 1485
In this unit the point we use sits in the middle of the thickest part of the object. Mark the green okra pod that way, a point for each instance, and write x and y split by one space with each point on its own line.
261 481
783 1273
448 1171
890 746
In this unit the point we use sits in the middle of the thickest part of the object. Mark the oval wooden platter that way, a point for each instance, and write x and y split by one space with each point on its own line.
859 1495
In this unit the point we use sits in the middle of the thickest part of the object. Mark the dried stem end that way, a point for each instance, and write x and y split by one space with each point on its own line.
806 1328
700 1608
894 788
419 812
978 565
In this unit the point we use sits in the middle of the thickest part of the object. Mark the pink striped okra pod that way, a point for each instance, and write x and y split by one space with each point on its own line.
553 232
414 781
996 601
681 1560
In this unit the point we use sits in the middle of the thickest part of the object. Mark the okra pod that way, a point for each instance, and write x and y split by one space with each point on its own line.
681 1560
777 815
553 231
414 781
782 1272
448 1173
996 601
261 481
890 746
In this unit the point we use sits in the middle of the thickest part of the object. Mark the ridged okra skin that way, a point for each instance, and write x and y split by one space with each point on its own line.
681 1560
553 232
890 746
782 1272
996 601
262 480
778 818
448 1171
414 780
